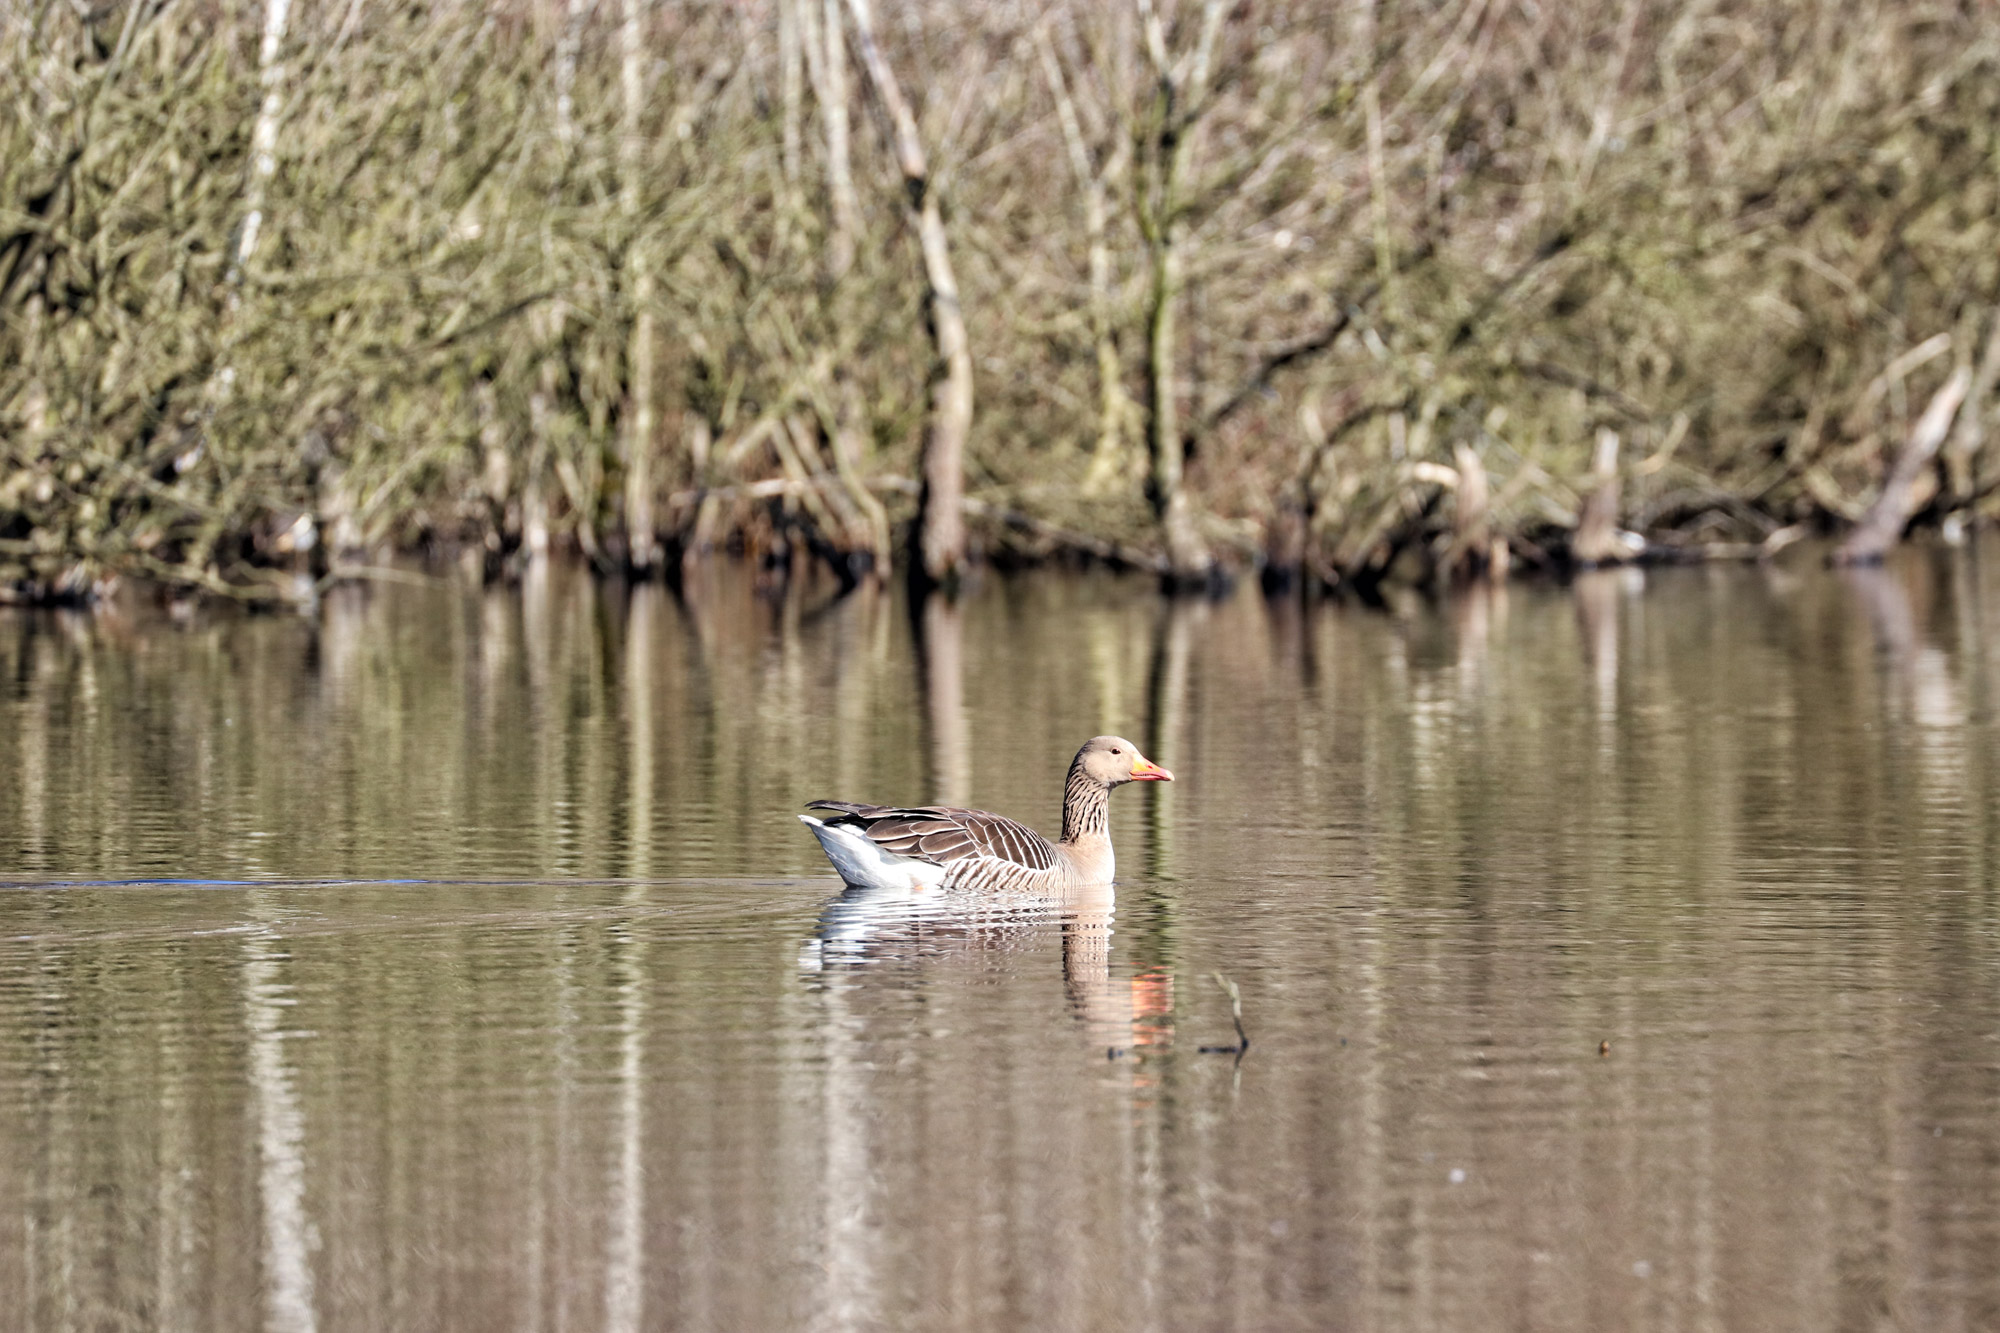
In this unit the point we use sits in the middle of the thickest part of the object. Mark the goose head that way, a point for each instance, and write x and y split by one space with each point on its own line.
1113 761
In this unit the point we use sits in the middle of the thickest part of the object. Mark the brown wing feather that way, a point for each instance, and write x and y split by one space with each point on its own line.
942 834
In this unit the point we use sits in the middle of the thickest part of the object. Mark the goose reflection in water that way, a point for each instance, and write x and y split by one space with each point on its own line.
924 929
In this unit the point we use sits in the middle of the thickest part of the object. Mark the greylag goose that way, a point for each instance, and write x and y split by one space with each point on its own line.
939 846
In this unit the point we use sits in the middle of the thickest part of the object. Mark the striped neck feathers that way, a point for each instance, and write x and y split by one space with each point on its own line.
1086 805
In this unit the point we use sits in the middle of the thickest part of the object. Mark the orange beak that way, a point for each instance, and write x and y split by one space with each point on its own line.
1145 770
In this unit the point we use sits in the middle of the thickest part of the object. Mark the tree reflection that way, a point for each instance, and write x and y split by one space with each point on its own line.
940 646
1596 592
1175 634
288 1233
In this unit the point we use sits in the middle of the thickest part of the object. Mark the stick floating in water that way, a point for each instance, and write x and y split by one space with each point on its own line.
1236 1015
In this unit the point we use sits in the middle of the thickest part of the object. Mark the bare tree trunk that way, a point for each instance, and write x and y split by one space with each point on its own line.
1963 451
534 491
830 70
940 516
1187 558
1472 546
1363 26
1881 527
1597 527
1114 407
791 92
641 530
263 166
263 136
843 414
567 47
1183 84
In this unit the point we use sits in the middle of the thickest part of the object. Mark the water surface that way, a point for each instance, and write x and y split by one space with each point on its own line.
1624 954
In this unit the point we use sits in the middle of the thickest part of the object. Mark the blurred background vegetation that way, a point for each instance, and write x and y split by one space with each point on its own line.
1338 292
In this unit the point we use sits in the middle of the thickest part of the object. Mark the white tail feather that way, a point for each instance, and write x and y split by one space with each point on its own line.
860 861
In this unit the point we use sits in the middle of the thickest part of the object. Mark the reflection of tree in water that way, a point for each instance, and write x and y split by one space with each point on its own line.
1167 717
280 1132
1917 674
1597 594
940 636
1146 1005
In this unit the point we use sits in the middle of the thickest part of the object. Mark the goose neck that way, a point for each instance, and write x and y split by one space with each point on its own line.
1086 804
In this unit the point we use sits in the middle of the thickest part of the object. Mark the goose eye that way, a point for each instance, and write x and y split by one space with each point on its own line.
1116 750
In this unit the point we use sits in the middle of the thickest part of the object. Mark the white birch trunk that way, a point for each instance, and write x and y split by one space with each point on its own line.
567 47
263 135
642 541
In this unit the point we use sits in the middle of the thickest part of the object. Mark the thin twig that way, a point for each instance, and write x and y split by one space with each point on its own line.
1242 1045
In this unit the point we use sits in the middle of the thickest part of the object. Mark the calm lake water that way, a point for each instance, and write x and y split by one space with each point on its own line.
452 959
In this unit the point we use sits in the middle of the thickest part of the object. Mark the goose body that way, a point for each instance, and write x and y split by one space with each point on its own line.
917 847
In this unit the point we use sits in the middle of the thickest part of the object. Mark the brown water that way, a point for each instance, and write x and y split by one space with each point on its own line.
512 996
